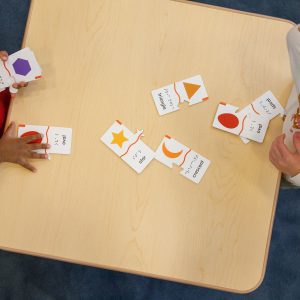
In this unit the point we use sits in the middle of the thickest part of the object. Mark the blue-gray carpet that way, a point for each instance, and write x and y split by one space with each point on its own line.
26 277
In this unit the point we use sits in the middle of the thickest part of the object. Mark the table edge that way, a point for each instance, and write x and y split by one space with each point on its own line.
195 283
192 2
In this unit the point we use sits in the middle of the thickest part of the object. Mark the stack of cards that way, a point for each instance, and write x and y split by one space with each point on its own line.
172 152
251 123
128 146
59 138
20 66
191 90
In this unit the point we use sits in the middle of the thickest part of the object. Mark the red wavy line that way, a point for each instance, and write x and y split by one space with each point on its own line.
131 145
243 125
254 109
176 92
47 138
185 157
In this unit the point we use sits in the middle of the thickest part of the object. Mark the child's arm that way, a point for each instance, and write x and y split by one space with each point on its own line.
282 158
19 150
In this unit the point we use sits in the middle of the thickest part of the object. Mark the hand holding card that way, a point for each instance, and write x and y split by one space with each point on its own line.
21 66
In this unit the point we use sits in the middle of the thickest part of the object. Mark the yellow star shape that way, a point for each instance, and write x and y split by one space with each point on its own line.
119 138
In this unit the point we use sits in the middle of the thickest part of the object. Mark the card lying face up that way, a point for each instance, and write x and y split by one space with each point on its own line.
266 106
128 146
20 66
191 90
172 152
247 125
59 138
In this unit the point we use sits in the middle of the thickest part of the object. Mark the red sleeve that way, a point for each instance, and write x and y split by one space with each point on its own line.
4 105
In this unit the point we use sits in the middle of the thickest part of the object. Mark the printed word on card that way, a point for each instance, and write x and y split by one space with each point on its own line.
20 66
172 152
266 106
128 146
191 90
250 123
59 138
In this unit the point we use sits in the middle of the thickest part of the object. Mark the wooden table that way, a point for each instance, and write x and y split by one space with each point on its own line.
101 59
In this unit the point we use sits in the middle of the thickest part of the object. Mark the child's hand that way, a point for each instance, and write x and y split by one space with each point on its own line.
282 158
4 57
18 150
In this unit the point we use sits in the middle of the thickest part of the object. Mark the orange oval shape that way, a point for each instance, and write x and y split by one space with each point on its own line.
229 120
28 133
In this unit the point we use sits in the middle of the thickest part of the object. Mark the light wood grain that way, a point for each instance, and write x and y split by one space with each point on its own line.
100 60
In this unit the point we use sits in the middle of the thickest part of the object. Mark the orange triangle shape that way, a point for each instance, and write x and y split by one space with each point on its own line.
191 89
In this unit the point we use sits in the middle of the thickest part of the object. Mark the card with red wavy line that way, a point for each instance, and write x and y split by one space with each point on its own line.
266 106
59 138
168 98
245 123
20 66
128 146
172 152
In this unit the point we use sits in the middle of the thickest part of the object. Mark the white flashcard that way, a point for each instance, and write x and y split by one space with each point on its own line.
255 127
266 106
249 126
194 167
191 90
20 66
128 146
172 152
59 138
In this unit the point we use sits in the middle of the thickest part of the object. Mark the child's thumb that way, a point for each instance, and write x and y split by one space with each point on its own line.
296 141
10 131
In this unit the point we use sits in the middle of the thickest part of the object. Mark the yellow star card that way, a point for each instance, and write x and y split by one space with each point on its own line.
128 146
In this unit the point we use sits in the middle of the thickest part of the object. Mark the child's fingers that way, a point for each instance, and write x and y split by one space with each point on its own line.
273 160
38 156
276 155
296 141
3 55
30 138
23 84
19 84
28 166
39 146
11 129
282 148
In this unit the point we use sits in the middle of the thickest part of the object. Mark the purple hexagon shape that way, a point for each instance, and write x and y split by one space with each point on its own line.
21 66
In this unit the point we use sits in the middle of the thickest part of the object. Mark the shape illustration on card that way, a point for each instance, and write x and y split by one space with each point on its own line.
249 126
20 66
128 146
250 123
191 90
59 138
172 152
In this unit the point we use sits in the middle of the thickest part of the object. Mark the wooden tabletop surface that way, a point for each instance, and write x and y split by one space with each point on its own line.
100 61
